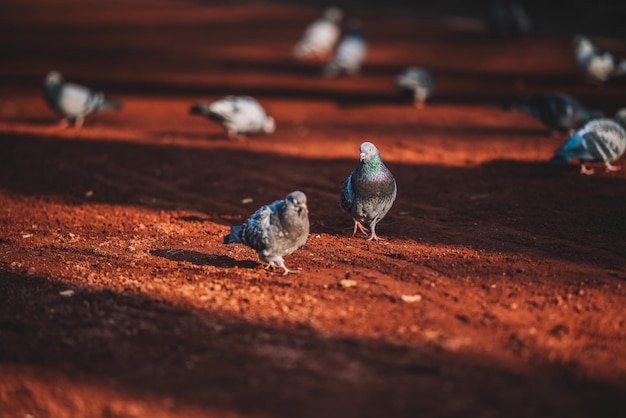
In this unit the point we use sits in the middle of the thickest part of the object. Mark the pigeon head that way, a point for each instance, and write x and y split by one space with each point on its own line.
269 126
334 14
297 201
368 152
53 77
582 44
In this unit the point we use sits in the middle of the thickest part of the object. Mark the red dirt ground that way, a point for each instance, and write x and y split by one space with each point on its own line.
521 267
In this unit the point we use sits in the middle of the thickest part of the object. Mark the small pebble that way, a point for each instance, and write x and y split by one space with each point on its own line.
347 283
67 293
411 298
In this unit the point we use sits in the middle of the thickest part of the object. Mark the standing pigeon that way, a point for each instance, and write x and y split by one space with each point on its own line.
73 101
349 54
597 64
275 230
320 36
238 114
369 191
557 111
417 82
599 140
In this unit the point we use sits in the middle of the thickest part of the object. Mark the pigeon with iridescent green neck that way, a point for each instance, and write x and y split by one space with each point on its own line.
369 191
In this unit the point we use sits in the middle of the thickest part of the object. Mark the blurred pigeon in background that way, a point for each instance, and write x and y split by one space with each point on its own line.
557 111
74 101
599 140
597 65
369 191
275 230
320 37
238 115
349 54
418 83
507 18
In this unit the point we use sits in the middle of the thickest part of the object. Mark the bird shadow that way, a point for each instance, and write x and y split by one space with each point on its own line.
201 259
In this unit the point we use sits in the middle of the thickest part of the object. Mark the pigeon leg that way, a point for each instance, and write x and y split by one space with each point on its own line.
281 264
78 123
360 226
585 170
611 167
373 236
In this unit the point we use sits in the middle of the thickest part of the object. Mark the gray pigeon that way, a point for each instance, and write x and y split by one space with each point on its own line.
597 64
557 111
238 115
73 101
350 53
417 82
369 191
275 230
320 36
599 140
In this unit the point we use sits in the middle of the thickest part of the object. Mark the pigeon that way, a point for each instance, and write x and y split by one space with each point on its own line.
320 36
369 191
74 101
349 54
275 230
238 114
557 111
507 18
599 140
597 64
417 82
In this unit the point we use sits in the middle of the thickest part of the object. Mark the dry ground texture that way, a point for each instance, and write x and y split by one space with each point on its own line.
499 290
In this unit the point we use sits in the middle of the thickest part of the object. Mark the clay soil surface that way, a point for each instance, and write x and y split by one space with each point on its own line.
499 289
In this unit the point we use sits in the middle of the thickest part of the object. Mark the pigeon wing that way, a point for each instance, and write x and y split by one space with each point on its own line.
347 194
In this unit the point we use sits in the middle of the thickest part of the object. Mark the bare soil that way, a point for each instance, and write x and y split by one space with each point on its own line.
499 289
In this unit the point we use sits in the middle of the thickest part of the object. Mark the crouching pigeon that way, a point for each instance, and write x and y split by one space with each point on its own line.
558 112
350 53
238 115
418 83
320 36
597 64
369 191
275 230
599 140
74 101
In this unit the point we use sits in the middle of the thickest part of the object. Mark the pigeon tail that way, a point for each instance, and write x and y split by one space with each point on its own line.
233 236
558 159
198 109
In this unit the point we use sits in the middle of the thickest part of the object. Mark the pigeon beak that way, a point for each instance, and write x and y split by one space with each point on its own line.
303 207
362 156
